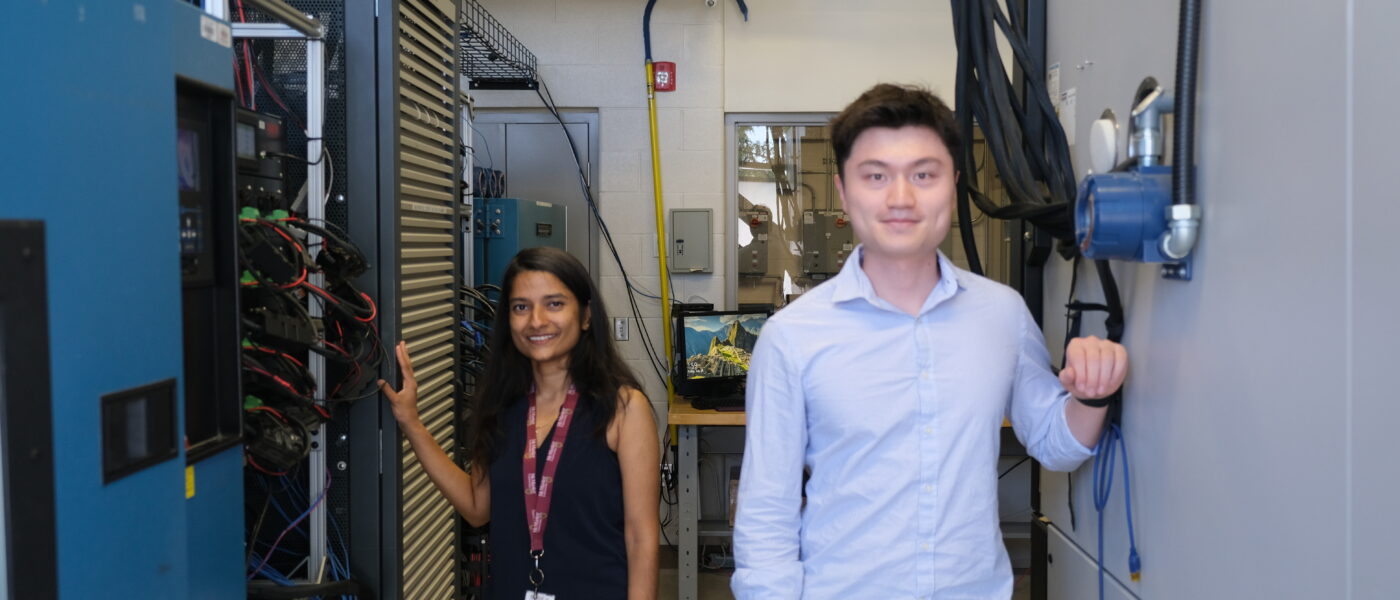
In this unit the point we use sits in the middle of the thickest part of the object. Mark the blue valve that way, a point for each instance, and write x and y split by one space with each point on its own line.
1124 216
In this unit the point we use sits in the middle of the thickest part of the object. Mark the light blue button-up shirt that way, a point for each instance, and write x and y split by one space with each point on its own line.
898 419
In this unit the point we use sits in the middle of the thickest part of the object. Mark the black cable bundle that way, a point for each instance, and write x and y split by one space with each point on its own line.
1034 165
278 263
1035 170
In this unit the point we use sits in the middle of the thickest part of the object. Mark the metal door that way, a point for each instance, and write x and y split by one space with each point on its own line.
530 148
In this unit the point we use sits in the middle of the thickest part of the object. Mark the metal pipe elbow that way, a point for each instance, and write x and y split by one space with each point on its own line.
1183 224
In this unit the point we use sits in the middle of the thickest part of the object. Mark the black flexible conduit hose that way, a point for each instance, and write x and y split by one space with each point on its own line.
646 28
1188 40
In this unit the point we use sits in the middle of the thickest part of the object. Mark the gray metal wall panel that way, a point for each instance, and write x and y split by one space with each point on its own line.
542 170
1375 249
1237 394
1072 573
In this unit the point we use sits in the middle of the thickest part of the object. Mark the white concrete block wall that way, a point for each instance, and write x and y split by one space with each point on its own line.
591 57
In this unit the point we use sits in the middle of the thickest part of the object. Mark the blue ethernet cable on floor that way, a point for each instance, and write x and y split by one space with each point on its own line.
1110 443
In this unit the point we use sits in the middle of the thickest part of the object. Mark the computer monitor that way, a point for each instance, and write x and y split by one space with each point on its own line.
713 350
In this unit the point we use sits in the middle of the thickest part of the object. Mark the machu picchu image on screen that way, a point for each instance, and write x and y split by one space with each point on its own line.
720 345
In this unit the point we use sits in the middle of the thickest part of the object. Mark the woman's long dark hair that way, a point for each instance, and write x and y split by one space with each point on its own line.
595 366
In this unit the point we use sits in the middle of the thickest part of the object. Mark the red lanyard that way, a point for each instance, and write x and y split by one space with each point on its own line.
537 496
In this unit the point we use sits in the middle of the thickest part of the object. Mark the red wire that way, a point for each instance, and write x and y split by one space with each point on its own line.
271 92
255 465
279 353
284 234
322 292
269 409
238 82
278 380
332 346
252 93
295 244
299 281
352 375
373 310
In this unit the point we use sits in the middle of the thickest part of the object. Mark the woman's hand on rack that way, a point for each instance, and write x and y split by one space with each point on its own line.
403 402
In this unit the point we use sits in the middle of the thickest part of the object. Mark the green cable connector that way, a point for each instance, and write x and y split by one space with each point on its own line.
247 344
249 212
247 279
278 215
251 402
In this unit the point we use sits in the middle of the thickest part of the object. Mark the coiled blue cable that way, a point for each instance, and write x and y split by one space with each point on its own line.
1110 444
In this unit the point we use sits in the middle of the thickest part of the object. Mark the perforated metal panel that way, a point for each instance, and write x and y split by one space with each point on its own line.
284 64
426 194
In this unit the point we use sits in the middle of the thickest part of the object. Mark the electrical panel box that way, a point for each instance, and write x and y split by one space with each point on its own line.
817 165
505 226
692 240
753 247
827 240
258 146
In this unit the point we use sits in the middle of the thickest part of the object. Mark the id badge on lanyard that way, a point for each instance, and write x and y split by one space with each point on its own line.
538 494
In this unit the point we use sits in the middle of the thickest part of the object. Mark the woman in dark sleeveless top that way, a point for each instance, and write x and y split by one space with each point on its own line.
598 528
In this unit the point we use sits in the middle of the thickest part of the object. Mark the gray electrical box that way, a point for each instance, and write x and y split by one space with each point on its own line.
827 239
753 256
692 240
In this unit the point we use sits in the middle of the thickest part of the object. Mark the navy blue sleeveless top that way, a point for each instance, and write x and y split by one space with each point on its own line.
585 553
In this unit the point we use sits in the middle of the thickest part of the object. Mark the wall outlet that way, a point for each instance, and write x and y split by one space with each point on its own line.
620 329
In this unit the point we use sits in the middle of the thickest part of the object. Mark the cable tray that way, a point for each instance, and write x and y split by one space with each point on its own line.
492 58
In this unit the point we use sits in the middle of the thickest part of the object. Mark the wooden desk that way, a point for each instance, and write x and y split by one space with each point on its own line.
688 421
682 413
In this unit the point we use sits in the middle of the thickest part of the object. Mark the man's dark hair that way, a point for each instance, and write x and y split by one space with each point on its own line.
893 106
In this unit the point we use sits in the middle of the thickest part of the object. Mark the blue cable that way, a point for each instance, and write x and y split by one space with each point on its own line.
1103 488
1110 444
1134 561
339 568
303 515
272 574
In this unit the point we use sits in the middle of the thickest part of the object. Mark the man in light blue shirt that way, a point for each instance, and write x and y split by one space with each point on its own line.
889 384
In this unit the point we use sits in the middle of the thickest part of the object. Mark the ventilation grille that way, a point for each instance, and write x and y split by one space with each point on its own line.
427 193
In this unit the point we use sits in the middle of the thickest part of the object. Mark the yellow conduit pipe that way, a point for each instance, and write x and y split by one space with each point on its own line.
666 328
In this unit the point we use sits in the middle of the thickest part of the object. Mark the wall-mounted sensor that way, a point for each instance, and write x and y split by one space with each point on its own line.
1103 143
1131 214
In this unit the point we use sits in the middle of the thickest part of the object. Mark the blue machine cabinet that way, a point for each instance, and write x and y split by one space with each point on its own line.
90 150
505 226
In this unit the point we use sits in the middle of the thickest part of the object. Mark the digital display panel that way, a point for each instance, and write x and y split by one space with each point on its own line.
246 142
187 150
719 346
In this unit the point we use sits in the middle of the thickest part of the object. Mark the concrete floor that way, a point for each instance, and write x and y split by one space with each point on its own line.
714 585
711 585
